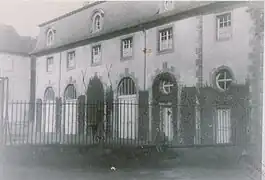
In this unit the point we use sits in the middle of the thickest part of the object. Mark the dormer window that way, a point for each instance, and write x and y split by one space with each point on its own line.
97 21
50 37
168 5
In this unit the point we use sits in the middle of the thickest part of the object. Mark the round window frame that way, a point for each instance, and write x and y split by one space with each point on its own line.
218 71
162 87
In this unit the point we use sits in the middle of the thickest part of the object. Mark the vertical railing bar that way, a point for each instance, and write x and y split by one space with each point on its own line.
66 118
125 115
27 117
63 122
36 118
44 137
54 134
43 124
59 118
77 122
132 123
49 120
54 122
73 123
34 121
11 122
16 130
74 114
53 127
21 121
85 123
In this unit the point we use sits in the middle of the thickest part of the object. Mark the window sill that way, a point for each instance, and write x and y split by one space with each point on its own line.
127 58
223 39
96 64
166 51
70 68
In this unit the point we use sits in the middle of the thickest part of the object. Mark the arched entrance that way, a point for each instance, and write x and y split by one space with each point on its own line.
49 108
70 113
95 103
128 109
165 98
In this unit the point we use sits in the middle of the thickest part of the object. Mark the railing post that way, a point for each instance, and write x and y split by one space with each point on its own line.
58 114
38 115
143 124
81 114
109 108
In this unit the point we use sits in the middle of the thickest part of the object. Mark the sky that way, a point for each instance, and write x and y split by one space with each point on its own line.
26 15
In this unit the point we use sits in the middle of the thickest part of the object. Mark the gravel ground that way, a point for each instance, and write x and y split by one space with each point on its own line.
75 167
177 173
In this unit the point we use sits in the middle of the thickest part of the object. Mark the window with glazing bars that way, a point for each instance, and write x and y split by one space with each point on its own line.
223 126
127 48
166 39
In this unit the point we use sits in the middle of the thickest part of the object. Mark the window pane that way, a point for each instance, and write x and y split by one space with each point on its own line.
221 84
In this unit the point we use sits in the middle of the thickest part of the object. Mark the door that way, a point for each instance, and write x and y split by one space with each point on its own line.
128 125
70 117
49 116
223 126
166 121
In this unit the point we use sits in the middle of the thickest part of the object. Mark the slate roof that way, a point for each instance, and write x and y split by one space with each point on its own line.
12 42
75 26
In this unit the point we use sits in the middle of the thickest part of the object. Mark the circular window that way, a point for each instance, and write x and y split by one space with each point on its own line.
223 79
166 87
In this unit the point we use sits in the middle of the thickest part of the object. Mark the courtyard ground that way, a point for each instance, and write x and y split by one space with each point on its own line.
73 166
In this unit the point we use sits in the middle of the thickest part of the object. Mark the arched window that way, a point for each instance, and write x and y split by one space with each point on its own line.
97 21
126 87
49 94
223 79
70 92
50 37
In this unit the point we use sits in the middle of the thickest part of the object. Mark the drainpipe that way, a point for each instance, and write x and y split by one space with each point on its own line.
60 75
145 51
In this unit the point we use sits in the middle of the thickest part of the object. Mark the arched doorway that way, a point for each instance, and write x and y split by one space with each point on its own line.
69 109
165 99
95 104
49 109
128 109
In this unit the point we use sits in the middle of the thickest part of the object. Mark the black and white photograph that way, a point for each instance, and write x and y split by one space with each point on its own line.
131 90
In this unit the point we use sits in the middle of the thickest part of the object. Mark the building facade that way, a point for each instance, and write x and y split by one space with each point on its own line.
15 62
191 67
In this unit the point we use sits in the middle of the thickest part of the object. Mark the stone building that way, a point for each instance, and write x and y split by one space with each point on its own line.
185 69
15 62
